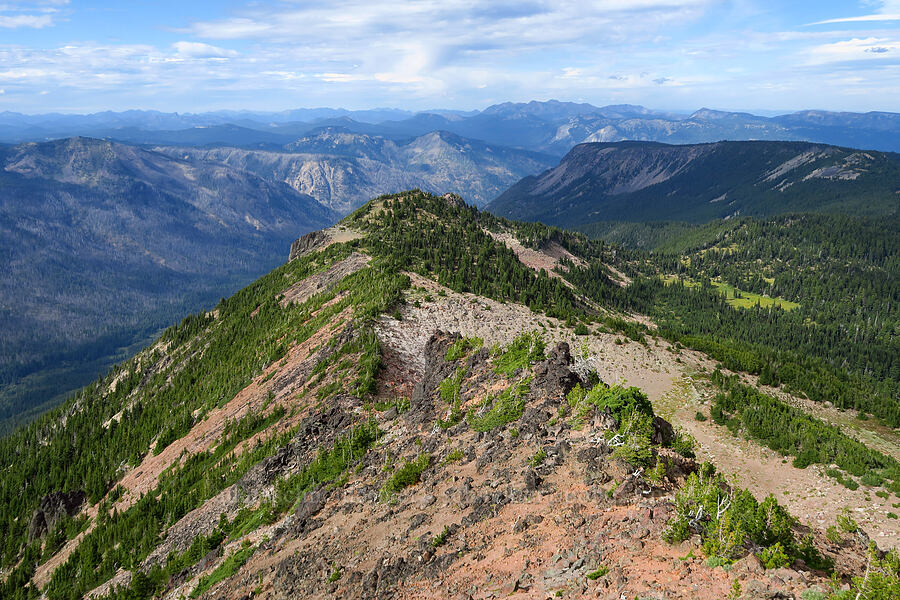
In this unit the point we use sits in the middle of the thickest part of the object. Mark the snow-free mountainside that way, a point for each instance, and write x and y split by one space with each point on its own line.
430 401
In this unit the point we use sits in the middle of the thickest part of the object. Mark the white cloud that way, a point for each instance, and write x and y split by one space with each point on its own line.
33 21
200 50
860 19
888 10
33 14
855 49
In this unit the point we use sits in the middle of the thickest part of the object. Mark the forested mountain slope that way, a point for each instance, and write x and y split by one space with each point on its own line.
428 401
640 181
104 244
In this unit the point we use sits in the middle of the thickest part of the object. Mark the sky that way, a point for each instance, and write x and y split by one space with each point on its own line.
765 56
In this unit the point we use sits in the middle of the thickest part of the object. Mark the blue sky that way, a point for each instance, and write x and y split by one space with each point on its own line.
191 56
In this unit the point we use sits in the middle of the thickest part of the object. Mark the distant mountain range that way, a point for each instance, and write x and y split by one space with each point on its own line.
342 169
649 181
102 244
549 127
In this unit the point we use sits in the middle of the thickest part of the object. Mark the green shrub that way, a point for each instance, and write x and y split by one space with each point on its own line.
600 572
774 556
463 346
730 517
441 538
833 535
846 522
699 416
684 445
454 456
449 388
502 409
519 353
408 474
225 570
538 458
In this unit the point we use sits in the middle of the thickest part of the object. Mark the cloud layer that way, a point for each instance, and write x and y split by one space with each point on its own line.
457 53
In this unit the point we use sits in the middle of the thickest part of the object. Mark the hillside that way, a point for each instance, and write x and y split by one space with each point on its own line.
342 170
637 181
429 401
105 244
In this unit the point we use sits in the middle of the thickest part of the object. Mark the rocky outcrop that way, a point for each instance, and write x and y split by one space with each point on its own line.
54 507
308 243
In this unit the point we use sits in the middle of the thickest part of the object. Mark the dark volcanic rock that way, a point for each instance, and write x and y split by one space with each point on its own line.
307 243
552 377
52 508
663 432
437 369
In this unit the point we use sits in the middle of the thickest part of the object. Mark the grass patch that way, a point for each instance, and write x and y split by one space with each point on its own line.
735 297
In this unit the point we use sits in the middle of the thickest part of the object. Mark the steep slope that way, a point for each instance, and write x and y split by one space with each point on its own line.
104 243
342 169
322 434
637 181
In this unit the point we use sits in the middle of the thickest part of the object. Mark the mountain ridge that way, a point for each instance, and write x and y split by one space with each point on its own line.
552 126
651 181
321 432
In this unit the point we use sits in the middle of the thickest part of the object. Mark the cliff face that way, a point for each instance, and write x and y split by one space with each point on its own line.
645 181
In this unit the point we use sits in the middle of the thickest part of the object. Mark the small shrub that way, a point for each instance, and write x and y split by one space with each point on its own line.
502 409
846 522
538 458
441 538
335 575
684 445
833 535
449 388
699 416
581 329
463 346
408 474
454 456
519 353
600 572
716 561
891 515
774 556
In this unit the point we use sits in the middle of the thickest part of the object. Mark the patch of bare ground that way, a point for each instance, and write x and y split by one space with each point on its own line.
813 497
322 282
646 366
547 258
